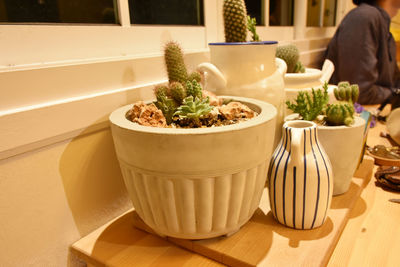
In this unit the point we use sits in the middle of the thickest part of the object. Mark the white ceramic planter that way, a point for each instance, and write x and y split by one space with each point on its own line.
393 125
249 70
343 144
195 183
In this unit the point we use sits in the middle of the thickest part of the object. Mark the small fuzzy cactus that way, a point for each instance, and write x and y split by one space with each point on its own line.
341 113
310 106
195 75
160 91
290 54
347 92
177 92
193 109
235 20
176 67
167 106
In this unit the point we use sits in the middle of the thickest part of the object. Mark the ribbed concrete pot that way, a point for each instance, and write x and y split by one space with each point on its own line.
196 183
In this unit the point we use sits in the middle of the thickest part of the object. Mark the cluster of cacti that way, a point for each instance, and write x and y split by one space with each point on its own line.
310 106
181 88
235 20
347 92
340 113
290 54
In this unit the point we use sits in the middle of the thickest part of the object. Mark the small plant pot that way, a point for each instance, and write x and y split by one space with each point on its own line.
343 145
196 183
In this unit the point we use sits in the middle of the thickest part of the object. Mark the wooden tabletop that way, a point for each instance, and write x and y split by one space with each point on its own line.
372 234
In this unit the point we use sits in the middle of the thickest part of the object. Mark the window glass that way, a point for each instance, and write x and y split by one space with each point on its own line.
317 12
166 12
255 9
61 11
330 13
281 12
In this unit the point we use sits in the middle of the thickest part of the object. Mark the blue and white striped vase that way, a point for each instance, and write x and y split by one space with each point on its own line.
300 177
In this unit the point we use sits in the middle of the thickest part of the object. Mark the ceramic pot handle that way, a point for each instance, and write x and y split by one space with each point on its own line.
281 65
327 70
214 79
296 141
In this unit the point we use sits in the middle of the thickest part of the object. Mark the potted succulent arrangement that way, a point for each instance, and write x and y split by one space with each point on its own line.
173 155
245 68
299 78
340 130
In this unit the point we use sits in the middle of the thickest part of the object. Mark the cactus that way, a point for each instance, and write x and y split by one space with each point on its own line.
193 110
347 92
235 20
251 26
195 75
299 68
177 92
167 106
340 113
161 90
194 89
290 54
175 65
309 107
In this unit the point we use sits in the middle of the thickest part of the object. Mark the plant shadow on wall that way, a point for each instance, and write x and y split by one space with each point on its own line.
92 179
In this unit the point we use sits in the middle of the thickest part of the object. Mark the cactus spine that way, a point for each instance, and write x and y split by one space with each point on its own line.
235 20
175 65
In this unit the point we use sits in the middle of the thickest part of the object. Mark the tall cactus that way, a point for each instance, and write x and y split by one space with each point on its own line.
176 68
235 21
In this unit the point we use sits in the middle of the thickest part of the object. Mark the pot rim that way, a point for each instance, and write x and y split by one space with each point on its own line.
310 73
268 112
245 43
358 122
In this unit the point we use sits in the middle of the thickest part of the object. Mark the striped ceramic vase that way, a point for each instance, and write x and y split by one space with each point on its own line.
300 177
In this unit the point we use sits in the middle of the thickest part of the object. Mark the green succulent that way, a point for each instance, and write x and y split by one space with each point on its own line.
310 106
251 26
341 113
195 75
193 109
235 20
299 68
347 92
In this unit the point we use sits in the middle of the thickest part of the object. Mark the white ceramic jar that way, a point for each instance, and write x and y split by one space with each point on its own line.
195 183
250 70
300 177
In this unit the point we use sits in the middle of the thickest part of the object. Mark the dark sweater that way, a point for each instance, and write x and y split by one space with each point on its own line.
364 52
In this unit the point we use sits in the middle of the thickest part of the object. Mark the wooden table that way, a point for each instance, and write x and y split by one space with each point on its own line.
371 237
372 234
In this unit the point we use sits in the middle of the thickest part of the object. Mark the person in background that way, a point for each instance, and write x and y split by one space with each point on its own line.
364 52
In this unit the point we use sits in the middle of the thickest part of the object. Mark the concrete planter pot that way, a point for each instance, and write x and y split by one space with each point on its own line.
196 183
343 145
